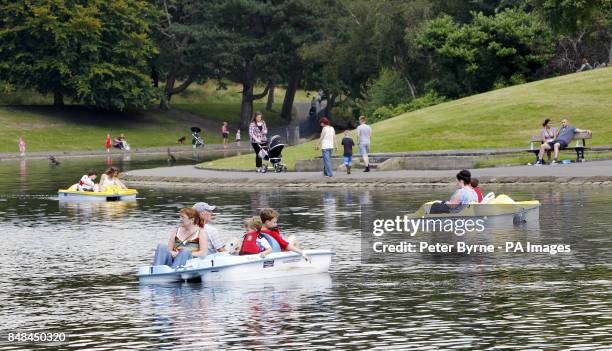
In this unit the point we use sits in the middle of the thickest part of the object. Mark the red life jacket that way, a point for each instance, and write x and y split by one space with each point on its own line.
249 244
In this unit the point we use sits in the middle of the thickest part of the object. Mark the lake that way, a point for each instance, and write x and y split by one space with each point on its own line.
71 268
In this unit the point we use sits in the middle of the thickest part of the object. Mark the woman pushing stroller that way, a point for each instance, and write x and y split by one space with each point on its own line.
258 134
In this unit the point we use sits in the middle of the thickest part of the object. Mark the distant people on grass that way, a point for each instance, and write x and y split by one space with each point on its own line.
327 143
108 143
238 137
22 146
586 66
225 134
258 135
562 139
121 143
364 135
347 144
463 196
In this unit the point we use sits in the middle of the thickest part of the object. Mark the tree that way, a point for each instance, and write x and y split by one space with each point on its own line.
93 51
471 58
183 40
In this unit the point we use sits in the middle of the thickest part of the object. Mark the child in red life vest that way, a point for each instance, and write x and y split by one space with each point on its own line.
253 243
474 185
269 219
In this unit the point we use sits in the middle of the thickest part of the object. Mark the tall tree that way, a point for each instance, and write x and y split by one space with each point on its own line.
94 51
183 40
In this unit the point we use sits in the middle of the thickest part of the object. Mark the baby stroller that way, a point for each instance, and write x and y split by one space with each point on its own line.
272 152
197 140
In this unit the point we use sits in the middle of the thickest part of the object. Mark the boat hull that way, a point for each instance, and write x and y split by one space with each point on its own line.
86 196
229 268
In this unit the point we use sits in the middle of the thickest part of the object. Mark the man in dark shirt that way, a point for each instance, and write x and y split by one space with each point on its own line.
562 140
348 144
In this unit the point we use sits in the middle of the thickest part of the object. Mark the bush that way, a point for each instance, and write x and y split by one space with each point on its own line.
389 89
386 112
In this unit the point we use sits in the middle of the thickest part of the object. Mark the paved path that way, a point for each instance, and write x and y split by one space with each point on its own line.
596 173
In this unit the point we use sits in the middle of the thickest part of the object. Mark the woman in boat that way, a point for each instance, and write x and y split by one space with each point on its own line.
187 241
110 180
463 196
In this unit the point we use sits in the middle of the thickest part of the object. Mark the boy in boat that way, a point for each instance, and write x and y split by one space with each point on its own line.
253 243
269 220
87 182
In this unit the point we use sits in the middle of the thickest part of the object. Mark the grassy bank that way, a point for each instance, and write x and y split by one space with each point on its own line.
504 118
46 128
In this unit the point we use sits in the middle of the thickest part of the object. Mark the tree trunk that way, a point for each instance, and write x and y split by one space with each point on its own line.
58 98
246 107
330 105
270 102
292 85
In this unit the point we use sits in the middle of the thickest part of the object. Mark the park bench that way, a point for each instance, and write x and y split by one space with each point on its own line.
579 147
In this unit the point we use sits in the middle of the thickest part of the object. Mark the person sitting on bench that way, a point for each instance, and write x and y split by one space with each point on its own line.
562 140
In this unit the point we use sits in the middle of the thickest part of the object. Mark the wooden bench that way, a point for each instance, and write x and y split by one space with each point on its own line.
579 147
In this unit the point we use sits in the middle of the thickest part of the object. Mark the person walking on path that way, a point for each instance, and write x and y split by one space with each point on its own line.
364 134
225 134
108 144
238 138
22 146
258 134
327 143
348 143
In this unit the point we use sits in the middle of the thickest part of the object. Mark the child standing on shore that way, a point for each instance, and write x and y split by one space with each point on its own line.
21 146
348 143
238 137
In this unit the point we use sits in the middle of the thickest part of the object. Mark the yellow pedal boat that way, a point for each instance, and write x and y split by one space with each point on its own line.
491 206
110 194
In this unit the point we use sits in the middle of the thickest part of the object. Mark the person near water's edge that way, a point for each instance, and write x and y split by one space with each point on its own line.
327 143
258 134
364 135
348 143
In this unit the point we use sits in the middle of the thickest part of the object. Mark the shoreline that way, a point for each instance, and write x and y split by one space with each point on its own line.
152 151
596 173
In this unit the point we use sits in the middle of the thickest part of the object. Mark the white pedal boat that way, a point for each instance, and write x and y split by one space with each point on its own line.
223 267
88 196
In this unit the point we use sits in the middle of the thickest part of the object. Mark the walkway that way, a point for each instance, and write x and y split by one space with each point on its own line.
594 173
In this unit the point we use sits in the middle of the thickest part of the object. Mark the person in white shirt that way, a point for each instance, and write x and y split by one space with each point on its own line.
215 244
364 133
327 143
87 182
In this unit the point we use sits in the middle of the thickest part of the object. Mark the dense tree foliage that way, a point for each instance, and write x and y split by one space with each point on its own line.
97 52
365 55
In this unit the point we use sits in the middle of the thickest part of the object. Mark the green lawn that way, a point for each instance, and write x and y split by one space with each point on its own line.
497 119
75 128
46 128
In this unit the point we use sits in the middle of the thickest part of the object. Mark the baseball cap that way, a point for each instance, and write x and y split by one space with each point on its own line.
203 206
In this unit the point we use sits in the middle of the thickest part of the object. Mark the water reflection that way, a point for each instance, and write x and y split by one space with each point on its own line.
72 268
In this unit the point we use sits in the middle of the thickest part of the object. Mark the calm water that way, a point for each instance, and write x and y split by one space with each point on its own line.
71 268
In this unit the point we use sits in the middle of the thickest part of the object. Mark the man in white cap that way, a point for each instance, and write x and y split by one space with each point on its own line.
214 242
